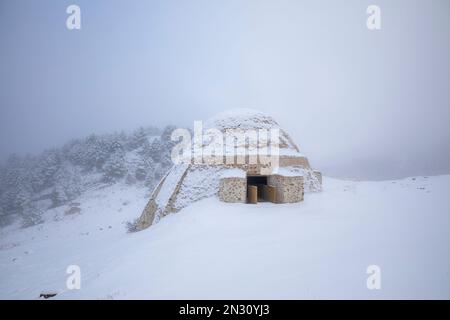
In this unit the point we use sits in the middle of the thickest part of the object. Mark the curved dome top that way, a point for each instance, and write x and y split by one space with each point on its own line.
250 119
242 119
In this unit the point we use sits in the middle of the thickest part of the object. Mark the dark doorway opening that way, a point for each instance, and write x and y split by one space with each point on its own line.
255 180
256 189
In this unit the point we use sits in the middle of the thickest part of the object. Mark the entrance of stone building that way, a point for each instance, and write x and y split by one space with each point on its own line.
259 191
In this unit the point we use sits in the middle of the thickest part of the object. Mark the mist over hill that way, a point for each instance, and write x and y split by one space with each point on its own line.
32 184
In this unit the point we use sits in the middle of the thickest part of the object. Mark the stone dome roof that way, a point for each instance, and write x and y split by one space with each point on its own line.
250 119
242 119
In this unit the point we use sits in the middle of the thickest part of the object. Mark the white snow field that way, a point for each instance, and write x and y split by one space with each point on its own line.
319 248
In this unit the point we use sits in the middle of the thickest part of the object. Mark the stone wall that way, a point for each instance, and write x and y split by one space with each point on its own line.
257 168
233 189
289 189
148 215
152 211
318 175
287 161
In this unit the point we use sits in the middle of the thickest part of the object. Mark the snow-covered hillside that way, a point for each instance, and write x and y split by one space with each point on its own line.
31 185
319 248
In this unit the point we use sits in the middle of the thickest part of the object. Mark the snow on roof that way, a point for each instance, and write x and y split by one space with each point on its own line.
242 119
251 120
286 152
290 171
233 173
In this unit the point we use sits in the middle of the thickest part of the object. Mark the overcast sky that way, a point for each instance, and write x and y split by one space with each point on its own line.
359 103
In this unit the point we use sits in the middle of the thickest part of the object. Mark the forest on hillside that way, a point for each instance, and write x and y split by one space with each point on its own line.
31 184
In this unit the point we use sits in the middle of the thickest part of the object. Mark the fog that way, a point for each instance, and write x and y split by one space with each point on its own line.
359 103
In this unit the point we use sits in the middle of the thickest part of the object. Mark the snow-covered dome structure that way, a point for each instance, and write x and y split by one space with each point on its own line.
240 155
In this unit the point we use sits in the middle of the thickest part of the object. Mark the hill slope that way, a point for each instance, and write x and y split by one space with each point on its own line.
32 184
320 248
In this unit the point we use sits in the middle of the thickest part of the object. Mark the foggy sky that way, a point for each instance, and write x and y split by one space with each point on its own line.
359 103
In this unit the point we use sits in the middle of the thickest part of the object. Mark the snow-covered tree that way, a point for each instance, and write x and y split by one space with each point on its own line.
144 168
59 175
114 167
137 139
67 185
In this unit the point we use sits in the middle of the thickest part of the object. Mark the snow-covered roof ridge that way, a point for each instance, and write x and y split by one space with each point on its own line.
242 118
251 120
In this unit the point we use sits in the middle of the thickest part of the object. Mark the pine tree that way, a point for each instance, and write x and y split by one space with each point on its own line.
114 167
138 138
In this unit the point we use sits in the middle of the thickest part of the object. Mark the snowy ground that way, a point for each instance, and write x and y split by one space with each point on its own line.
316 249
